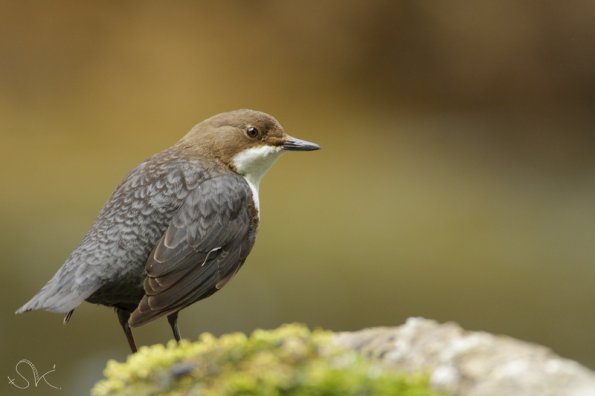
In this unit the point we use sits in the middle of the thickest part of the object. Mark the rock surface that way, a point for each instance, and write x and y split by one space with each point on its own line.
291 360
465 363
421 357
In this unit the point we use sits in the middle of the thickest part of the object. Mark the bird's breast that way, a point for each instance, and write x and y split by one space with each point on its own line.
254 190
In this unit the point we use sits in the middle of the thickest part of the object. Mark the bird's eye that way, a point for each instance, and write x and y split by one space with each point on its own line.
251 132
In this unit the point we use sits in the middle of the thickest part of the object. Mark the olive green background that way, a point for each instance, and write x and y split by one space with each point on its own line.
456 179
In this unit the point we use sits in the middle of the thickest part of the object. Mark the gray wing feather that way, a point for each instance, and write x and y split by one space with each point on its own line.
205 243
113 253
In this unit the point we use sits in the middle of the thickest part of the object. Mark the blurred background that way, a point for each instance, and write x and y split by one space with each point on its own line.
456 180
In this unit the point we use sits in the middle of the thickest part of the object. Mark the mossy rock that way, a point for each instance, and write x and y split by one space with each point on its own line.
289 361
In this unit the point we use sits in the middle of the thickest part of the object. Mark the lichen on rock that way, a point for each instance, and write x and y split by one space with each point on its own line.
290 360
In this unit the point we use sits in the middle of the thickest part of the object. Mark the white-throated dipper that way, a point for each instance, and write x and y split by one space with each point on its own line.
177 228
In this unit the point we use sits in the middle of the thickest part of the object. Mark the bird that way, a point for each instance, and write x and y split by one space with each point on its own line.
177 228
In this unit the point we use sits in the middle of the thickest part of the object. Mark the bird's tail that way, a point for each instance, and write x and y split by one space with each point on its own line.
57 297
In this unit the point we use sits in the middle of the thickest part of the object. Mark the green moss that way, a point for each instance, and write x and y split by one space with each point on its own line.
289 361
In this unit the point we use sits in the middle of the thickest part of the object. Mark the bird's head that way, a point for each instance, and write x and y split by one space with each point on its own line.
247 141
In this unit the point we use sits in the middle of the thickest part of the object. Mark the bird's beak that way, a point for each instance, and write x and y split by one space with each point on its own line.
294 144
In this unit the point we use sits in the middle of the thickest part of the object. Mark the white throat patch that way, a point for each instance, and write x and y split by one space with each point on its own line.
253 163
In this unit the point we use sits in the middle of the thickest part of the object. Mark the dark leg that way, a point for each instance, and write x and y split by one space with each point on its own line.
173 322
67 316
123 317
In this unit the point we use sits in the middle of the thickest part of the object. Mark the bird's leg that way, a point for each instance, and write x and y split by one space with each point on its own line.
173 322
123 318
67 316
